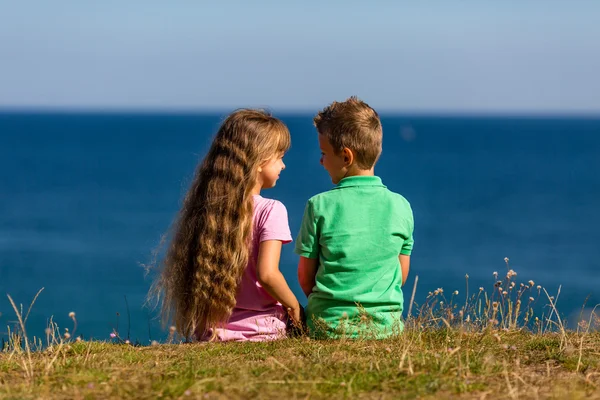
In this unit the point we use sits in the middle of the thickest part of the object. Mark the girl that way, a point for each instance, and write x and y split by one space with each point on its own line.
221 278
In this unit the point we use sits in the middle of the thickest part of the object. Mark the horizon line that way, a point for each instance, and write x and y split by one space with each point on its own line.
289 111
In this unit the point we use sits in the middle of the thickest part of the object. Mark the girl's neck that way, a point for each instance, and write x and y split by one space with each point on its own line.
256 189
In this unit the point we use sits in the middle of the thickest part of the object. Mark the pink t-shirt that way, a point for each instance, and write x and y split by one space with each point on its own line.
257 316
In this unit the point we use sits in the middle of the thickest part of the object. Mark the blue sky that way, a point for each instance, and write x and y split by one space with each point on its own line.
434 56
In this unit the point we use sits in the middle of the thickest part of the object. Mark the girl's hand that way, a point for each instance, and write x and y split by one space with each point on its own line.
295 325
295 316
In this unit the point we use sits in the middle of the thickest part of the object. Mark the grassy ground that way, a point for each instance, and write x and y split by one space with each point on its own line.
491 345
433 363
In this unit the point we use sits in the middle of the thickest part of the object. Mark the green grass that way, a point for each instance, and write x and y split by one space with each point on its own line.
491 346
433 363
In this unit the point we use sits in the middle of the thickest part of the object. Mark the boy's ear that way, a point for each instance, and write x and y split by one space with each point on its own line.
348 156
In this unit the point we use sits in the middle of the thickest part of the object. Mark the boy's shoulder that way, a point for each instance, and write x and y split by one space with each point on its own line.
334 196
324 198
399 198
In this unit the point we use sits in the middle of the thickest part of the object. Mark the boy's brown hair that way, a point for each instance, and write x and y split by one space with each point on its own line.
355 125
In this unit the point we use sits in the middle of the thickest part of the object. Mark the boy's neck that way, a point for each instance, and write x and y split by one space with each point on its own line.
355 171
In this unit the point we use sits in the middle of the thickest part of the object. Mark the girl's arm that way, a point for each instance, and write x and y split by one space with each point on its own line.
405 266
272 280
307 271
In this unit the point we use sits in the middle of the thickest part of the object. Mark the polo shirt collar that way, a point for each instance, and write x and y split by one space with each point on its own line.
360 181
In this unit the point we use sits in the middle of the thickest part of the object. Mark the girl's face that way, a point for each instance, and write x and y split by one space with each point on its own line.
268 173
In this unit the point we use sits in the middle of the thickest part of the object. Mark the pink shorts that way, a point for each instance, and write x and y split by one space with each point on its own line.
249 325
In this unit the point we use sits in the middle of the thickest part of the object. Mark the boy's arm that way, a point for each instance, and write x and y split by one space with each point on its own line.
307 247
272 280
407 246
405 266
307 271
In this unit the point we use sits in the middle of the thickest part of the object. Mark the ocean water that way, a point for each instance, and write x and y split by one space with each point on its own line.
85 198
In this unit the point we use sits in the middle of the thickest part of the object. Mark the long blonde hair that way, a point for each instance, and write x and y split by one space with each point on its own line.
211 237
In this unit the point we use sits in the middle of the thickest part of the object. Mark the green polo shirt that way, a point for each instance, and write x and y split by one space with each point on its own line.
357 231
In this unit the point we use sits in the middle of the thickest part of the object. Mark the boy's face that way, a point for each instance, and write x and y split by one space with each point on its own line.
334 164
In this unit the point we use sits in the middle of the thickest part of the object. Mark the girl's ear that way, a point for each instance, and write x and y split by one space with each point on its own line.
348 156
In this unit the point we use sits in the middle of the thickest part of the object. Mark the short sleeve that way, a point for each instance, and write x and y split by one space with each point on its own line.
407 246
275 224
307 243
409 241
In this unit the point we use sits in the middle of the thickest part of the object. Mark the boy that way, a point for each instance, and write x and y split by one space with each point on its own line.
356 239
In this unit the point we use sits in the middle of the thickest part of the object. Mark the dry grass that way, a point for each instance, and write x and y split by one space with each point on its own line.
427 364
491 346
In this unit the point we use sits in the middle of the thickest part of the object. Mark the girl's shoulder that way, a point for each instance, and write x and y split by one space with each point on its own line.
265 208
266 203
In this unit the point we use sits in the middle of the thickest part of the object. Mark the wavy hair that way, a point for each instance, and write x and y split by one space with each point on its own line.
211 236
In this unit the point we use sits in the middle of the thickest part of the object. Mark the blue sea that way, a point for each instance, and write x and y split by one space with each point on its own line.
86 197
